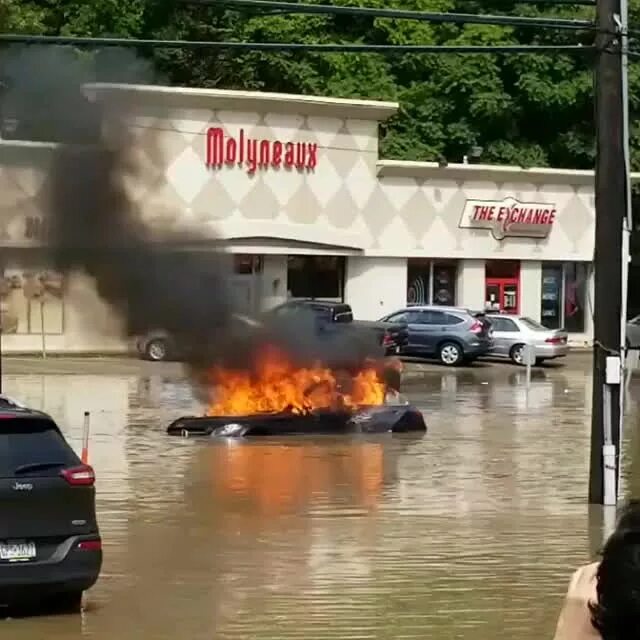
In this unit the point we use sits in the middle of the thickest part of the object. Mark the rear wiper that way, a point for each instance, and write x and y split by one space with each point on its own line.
37 466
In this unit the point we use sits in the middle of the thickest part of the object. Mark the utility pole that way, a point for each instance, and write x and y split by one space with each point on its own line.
611 211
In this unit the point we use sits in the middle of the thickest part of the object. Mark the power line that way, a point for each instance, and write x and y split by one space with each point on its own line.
398 14
10 38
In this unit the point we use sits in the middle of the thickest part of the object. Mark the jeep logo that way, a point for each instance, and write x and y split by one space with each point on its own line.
22 486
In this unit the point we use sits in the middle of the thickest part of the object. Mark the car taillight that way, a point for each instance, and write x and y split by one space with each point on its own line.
82 476
90 545
476 327
554 340
387 340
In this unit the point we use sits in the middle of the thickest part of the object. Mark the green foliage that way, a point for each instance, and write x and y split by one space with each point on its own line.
532 110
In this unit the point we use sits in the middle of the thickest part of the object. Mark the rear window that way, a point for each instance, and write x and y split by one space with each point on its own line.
449 318
532 324
343 316
27 441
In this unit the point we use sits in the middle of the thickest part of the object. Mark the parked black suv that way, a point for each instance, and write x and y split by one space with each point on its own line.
50 546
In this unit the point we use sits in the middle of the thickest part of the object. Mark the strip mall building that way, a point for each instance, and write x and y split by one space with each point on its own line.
296 187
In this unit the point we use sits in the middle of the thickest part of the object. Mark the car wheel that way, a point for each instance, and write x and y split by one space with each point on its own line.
450 354
517 354
156 350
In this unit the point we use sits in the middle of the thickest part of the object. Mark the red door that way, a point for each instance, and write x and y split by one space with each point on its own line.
502 295
502 286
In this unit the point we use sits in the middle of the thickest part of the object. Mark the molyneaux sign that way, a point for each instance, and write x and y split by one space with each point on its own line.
254 153
509 218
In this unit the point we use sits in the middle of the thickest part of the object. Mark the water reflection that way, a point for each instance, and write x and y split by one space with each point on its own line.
471 531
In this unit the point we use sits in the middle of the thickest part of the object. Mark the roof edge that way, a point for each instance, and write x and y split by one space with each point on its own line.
196 98
469 172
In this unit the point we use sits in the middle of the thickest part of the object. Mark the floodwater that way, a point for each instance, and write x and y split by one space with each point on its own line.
469 532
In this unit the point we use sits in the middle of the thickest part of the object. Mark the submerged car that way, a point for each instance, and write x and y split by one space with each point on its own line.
50 545
451 334
511 333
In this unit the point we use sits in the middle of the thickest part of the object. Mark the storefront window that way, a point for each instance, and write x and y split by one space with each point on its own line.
316 277
418 279
551 307
431 282
246 263
564 296
444 283
575 296
31 301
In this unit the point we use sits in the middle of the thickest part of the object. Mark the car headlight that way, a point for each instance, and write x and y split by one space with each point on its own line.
229 430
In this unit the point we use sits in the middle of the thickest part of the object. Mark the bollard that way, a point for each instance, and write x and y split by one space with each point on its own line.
608 451
609 456
43 336
529 355
85 439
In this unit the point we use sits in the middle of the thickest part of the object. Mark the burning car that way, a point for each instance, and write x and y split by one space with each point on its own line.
278 398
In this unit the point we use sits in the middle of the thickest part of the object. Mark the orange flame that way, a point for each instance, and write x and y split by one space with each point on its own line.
276 385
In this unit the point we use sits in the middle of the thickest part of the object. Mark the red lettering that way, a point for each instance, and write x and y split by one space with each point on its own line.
232 149
543 217
301 154
490 212
215 149
537 217
529 217
552 216
521 215
288 156
265 151
252 155
501 213
312 159
276 157
476 212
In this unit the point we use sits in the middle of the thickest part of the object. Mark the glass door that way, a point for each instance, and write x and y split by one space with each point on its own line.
509 297
502 295
492 296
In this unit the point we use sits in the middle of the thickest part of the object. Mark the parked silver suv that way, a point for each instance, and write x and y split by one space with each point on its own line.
451 334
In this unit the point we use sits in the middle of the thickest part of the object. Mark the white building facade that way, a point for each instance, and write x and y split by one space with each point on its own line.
296 188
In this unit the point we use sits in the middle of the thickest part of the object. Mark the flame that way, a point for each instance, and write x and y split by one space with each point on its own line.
276 385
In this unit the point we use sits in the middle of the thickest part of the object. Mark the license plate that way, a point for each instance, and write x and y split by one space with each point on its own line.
19 551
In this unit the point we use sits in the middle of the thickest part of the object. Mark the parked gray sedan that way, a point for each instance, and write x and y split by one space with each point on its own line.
511 333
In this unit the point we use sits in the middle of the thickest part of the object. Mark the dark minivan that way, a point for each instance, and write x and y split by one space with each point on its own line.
451 334
50 545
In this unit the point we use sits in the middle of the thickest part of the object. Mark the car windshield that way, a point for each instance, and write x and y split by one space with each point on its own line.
532 324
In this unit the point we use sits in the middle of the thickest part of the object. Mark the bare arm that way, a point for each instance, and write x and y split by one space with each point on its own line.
574 622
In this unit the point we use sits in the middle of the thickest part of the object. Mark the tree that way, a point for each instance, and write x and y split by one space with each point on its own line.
520 109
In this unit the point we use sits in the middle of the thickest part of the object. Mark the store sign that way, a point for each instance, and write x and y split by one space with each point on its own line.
254 154
509 218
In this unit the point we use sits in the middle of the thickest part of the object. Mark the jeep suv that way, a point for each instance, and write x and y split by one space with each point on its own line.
50 546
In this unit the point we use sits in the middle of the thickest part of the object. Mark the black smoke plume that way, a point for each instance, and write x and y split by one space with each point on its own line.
155 275
141 269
